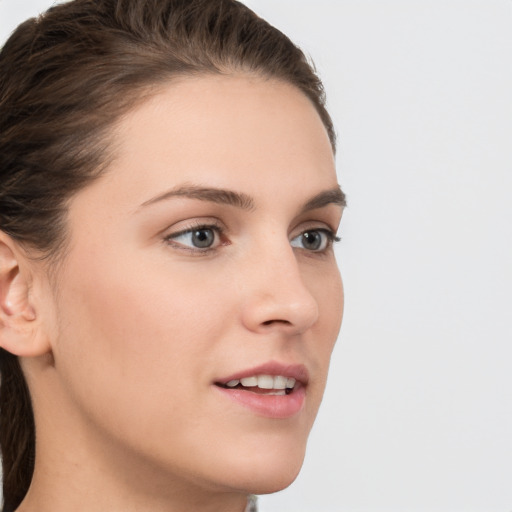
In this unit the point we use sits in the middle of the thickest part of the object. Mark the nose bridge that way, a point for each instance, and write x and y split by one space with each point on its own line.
277 296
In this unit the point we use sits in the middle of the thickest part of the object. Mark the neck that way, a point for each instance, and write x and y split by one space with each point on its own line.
57 489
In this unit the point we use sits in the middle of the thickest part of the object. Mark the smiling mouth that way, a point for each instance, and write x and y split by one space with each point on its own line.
276 385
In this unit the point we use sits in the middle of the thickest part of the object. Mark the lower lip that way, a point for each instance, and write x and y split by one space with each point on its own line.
270 406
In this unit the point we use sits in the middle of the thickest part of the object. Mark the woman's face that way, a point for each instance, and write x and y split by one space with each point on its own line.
200 273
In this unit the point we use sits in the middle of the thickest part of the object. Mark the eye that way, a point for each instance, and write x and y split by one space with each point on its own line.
200 237
314 240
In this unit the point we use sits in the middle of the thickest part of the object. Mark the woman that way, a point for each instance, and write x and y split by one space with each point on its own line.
169 293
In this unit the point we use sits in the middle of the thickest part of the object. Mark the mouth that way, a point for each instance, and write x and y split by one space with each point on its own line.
272 390
276 385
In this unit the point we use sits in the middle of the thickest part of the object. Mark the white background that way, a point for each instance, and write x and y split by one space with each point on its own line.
418 413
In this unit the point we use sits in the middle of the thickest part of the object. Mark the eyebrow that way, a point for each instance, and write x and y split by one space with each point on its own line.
325 198
243 201
211 194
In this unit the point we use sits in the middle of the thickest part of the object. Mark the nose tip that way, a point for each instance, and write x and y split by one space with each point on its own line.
285 306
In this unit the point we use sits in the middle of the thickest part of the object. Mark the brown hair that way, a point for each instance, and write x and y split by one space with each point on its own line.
65 78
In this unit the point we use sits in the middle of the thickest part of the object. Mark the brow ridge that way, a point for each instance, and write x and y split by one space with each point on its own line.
242 200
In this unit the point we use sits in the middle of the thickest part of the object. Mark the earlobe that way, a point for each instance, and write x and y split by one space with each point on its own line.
19 327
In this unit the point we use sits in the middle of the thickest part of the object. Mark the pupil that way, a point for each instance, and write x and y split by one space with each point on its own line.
203 238
312 240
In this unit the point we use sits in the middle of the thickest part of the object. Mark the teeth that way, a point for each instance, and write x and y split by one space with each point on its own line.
290 383
265 382
277 392
279 383
249 382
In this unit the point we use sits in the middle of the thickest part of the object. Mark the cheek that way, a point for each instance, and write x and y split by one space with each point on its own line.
133 339
327 287
333 303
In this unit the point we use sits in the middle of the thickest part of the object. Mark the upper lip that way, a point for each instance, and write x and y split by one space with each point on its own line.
296 371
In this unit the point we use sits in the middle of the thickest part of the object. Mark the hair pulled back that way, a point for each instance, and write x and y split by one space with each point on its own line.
65 79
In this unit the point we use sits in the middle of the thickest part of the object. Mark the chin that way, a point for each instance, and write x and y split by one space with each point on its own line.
267 471
268 484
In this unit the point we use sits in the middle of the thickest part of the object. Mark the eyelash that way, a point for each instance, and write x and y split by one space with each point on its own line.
218 231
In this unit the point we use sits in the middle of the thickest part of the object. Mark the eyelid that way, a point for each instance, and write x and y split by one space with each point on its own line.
318 225
186 225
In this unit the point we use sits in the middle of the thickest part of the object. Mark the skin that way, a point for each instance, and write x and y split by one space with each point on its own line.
124 345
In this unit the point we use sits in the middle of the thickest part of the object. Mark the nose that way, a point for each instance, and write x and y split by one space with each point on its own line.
276 298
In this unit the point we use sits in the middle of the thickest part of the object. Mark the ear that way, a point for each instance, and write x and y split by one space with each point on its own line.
21 331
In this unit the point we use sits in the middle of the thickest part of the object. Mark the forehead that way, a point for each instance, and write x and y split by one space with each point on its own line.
226 123
257 136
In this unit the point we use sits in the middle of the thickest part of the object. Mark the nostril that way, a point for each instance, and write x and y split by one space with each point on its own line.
270 322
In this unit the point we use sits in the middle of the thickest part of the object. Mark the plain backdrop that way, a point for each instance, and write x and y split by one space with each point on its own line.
418 412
